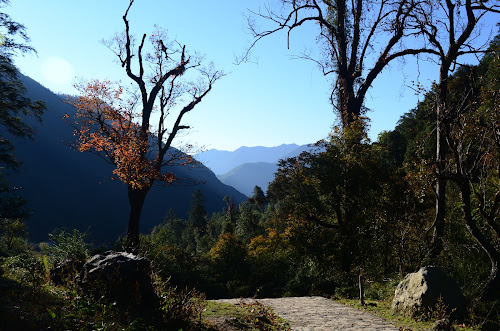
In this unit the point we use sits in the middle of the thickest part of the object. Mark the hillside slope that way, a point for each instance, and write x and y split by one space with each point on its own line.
66 188
246 176
221 162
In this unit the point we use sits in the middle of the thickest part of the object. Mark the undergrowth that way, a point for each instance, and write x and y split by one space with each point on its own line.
244 316
29 301
378 300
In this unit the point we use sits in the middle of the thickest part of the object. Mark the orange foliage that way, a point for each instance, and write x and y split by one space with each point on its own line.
106 123
264 245
227 248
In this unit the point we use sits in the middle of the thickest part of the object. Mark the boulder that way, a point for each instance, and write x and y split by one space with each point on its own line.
418 293
119 277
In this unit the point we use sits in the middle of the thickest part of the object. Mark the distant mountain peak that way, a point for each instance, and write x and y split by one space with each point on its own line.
221 162
248 166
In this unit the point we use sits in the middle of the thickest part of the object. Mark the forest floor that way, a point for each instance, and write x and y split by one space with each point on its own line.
318 313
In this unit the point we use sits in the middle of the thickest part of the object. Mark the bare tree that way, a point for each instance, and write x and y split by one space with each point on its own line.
120 127
360 38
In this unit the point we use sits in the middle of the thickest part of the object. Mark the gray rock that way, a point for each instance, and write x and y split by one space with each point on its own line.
418 293
118 277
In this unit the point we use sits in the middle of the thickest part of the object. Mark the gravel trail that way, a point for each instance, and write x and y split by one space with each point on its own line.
318 313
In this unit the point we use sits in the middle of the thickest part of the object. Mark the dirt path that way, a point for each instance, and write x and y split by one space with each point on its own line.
318 313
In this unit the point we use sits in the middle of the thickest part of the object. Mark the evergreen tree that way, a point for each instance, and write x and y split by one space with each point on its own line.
248 223
170 216
13 104
13 107
258 198
197 214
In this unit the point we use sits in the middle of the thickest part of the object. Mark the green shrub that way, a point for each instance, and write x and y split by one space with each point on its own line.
264 318
380 290
179 308
13 237
348 292
28 268
68 246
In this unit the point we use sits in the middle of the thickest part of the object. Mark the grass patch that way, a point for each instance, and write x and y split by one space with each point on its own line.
25 307
382 308
243 316
221 309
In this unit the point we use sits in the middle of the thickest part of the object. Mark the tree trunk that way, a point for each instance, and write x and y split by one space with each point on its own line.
136 199
491 290
361 289
348 247
385 260
439 221
348 104
441 151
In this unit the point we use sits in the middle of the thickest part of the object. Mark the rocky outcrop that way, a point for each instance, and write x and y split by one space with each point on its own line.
419 293
119 277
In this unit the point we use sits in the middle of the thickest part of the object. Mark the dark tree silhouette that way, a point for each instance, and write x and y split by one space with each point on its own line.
350 35
13 104
119 126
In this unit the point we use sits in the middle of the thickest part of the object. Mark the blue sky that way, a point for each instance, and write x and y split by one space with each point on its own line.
275 100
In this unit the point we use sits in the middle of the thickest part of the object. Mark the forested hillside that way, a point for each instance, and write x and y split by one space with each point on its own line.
65 188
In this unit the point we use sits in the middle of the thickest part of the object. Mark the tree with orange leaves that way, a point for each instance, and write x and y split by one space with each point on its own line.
117 124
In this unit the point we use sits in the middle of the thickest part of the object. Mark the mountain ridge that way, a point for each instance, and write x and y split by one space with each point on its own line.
248 175
244 176
221 162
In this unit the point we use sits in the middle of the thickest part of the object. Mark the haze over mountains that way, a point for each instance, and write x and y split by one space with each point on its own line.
66 188
221 162
247 167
